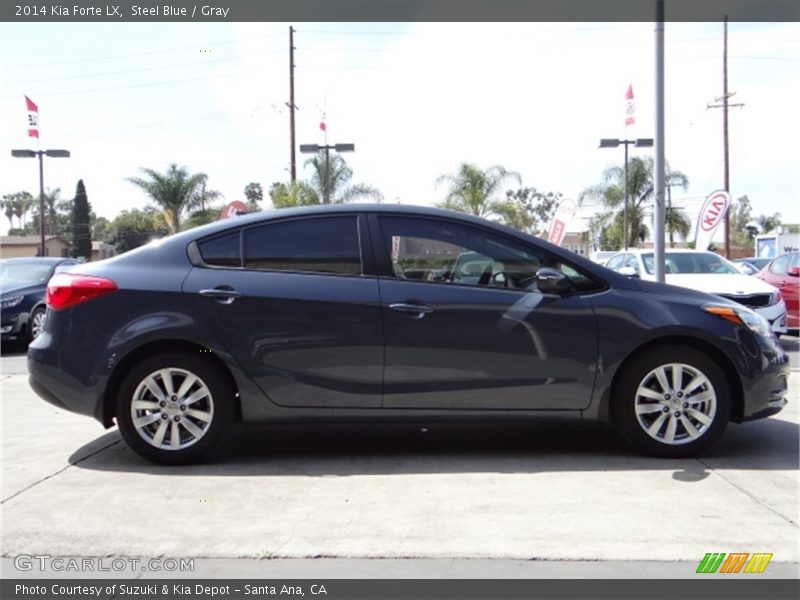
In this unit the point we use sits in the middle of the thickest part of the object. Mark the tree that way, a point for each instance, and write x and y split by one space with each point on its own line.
742 231
254 194
17 205
528 209
768 223
81 230
675 221
298 193
474 191
101 228
611 193
330 180
201 217
174 192
133 228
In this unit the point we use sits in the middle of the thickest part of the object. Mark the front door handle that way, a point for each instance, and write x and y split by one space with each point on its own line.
222 295
416 311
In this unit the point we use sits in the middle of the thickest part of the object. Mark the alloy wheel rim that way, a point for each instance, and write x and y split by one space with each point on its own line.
37 324
675 404
172 409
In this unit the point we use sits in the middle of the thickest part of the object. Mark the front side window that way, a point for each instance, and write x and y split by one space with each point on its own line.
312 245
446 252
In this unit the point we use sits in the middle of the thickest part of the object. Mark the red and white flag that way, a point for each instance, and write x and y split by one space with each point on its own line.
558 227
630 107
33 118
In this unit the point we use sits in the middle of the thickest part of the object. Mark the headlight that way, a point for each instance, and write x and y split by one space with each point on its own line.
741 316
775 298
11 302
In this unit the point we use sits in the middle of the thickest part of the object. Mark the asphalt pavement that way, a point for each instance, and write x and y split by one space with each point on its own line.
556 498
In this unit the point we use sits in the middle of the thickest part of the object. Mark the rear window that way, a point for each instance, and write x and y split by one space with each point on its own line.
223 251
314 245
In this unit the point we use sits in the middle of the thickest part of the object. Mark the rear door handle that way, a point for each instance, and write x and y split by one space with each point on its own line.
415 310
221 295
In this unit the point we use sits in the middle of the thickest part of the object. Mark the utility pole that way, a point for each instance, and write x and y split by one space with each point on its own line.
725 106
291 105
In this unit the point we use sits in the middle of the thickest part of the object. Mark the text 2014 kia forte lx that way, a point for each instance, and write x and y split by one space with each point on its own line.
381 312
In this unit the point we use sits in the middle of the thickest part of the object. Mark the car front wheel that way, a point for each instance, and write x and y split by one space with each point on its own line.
172 408
672 402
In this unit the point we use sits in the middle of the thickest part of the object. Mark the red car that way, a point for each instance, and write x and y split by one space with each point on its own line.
784 274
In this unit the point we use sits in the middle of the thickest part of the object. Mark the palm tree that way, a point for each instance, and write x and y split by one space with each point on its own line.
472 190
675 221
175 192
767 223
611 192
330 180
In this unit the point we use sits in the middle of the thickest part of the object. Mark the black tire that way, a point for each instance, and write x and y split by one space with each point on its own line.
39 313
690 436
210 414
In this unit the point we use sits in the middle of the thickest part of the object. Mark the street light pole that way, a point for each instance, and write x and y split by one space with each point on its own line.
40 154
315 148
613 143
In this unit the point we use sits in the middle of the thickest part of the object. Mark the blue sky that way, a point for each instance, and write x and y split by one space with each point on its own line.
417 99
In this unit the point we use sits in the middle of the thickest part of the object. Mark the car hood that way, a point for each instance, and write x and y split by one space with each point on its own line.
729 284
17 288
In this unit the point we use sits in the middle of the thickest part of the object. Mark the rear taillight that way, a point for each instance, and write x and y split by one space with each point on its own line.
65 289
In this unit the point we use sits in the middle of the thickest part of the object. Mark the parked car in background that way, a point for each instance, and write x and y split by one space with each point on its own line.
784 273
707 272
751 264
303 314
601 256
23 282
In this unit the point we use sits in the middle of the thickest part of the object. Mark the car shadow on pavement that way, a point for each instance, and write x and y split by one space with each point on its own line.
552 445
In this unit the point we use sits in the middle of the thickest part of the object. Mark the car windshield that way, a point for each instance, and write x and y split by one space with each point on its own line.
691 262
24 273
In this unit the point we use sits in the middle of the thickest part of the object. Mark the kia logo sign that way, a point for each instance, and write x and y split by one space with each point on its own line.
714 208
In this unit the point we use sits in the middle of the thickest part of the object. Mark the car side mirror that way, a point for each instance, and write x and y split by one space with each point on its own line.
794 272
628 272
744 269
551 281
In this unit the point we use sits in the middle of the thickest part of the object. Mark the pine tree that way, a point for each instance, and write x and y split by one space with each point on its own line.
81 233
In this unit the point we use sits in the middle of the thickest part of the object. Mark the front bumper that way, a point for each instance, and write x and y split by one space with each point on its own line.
765 394
14 326
776 315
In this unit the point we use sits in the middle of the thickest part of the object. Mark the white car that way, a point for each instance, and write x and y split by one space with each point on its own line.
706 272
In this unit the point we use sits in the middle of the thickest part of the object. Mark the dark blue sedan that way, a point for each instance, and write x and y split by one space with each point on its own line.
22 294
360 312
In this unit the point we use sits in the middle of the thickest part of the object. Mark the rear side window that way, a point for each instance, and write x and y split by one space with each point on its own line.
223 251
314 245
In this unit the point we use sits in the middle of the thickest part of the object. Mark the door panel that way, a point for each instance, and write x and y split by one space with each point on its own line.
484 337
307 340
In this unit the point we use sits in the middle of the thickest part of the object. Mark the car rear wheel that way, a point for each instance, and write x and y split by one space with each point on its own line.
36 324
672 402
172 408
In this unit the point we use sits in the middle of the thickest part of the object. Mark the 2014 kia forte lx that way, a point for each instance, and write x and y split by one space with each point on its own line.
382 312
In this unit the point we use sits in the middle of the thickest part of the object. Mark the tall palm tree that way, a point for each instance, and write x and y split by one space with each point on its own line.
611 193
472 190
330 180
175 192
